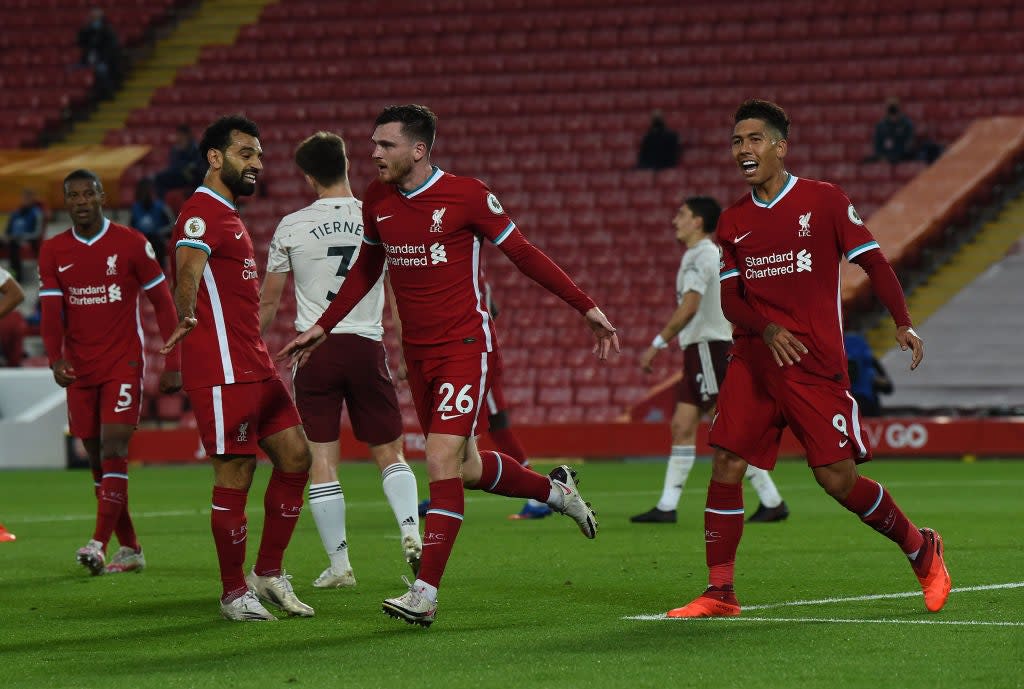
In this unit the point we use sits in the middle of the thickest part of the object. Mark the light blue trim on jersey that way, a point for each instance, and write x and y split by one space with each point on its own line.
50 293
725 275
211 192
436 175
154 282
790 183
725 512
863 248
370 241
505 233
453 515
192 243
99 235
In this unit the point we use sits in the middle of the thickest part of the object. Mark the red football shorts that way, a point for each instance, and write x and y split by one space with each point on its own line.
449 392
232 419
348 369
704 366
110 403
753 410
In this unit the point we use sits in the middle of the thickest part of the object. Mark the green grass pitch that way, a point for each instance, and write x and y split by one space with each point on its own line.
527 604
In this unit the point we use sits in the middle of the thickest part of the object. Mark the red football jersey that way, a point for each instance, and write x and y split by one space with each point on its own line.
786 253
225 346
432 238
99 282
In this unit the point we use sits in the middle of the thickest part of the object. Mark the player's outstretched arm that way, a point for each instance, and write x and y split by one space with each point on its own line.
302 346
683 314
191 263
889 291
604 331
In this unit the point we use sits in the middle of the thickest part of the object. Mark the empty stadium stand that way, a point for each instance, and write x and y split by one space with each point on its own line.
546 100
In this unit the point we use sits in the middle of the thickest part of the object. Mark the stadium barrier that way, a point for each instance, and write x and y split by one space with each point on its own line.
889 437
33 416
43 170
921 210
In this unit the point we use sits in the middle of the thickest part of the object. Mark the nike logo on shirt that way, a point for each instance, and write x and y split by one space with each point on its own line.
238 235
61 269
741 238
382 218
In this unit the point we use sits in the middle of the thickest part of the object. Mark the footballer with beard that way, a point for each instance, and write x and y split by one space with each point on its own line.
239 400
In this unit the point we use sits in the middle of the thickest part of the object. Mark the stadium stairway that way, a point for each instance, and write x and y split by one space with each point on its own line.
216 22
984 250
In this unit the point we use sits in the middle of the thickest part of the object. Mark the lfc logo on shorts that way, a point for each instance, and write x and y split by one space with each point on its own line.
243 433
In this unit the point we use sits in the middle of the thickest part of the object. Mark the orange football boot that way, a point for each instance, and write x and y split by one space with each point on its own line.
714 602
934 578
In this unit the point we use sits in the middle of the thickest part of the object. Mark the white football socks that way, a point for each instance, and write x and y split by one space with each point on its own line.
399 485
680 462
762 482
327 503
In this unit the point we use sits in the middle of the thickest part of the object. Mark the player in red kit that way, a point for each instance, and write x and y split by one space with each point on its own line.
91 276
781 250
429 226
239 400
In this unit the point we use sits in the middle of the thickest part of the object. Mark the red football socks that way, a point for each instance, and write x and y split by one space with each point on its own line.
872 503
503 475
282 505
111 497
441 528
228 523
124 529
723 527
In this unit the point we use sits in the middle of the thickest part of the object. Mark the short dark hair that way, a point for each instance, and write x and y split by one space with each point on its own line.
418 122
772 115
322 157
82 173
705 208
218 134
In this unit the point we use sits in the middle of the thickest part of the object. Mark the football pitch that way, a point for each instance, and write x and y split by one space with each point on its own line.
827 601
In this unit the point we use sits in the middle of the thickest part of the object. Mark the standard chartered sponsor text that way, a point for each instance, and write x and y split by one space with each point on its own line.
406 254
769 266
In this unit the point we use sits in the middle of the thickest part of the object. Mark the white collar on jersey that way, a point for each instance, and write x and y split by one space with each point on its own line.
211 192
92 240
790 183
426 185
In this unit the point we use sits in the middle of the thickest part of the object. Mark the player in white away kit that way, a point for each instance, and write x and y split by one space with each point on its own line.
705 337
318 244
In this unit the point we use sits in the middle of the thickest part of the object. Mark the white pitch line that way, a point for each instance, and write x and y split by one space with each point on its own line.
849 599
843 620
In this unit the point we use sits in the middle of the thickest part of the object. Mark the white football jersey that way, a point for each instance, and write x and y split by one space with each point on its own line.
698 272
319 244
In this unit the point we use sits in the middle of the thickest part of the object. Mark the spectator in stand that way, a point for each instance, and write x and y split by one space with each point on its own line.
925 148
894 135
101 50
660 148
151 217
25 225
868 378
12 324
185 166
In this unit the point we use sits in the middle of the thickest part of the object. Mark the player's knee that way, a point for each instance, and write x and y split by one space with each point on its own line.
727 467
836 481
